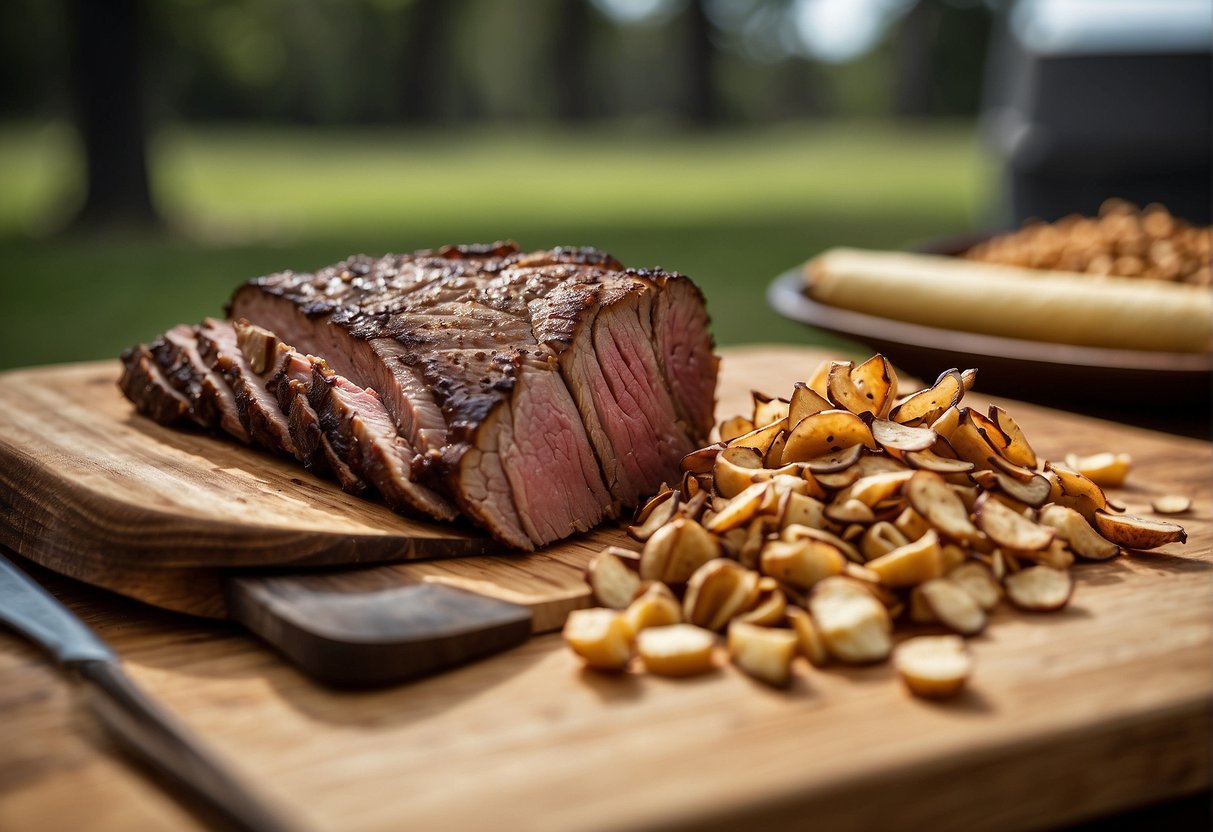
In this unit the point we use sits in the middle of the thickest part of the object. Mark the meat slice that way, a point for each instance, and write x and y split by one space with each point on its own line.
292 386
536 388
212 404
309 435
603 333
257 410
363 434
345 428
685 350
144 383
276 365
519 460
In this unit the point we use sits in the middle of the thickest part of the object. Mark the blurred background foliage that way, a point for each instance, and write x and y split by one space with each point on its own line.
729 139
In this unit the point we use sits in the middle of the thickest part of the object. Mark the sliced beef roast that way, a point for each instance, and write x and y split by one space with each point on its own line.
258 411
144 383
361 430
292 386
539 392
212 403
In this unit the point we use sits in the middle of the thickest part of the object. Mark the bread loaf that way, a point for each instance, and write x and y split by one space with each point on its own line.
1014 302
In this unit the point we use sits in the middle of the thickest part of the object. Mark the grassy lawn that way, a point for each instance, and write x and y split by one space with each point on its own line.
732 210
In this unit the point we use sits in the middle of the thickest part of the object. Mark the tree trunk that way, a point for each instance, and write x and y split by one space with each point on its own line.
570 60
913 95
428 50
107 94
700 105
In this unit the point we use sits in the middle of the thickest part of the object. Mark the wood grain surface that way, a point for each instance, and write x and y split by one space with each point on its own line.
1099 708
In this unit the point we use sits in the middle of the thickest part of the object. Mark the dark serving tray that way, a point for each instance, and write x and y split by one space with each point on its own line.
1104 381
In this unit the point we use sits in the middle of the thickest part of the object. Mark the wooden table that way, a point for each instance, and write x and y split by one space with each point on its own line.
1100 708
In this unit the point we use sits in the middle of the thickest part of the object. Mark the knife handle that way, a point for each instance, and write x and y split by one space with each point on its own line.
160 741
359 638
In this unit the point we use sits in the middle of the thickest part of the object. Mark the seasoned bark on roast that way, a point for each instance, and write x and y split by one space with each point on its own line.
533 413
362 433
291 384
144 383
352 418
212 404
377 302
258 411
450 338
308 432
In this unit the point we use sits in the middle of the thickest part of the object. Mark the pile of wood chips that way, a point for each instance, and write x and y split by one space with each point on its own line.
821 521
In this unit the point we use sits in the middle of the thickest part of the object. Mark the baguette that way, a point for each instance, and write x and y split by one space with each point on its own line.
1015 302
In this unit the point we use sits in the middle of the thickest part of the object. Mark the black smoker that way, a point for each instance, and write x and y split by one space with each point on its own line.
1090 99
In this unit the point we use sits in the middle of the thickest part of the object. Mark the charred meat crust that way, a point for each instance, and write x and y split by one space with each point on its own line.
288 383
144 383
307 430
347 418
257 410
211 402
352 419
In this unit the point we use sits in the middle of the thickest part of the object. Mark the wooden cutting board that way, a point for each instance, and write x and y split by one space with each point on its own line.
93 491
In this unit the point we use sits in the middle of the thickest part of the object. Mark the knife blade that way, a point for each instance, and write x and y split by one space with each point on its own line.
142 726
